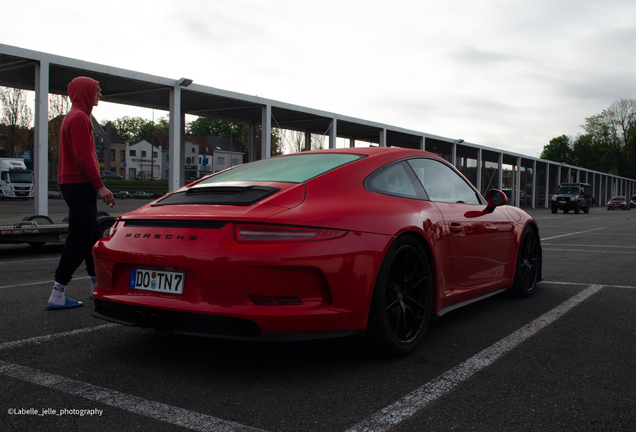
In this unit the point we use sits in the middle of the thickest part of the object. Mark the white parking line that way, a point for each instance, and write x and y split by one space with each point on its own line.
589 245
30 260
410 404
571 234
49 337
155 410
39 283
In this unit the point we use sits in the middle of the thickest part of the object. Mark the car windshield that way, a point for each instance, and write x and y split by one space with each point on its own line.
618 199
293 169
21 176
571 190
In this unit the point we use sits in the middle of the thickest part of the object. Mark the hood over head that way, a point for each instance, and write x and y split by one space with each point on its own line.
82 91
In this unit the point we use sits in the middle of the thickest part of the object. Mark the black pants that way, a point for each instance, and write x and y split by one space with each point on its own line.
83 231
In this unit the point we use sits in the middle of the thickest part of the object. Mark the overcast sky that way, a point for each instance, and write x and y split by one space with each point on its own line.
505 74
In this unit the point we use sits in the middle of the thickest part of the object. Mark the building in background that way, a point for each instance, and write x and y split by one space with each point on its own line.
143 161
225 152
202 155
115 147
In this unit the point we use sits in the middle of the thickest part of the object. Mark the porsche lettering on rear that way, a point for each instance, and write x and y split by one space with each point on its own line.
162 236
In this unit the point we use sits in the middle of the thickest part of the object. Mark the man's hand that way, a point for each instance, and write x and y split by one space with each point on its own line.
106 196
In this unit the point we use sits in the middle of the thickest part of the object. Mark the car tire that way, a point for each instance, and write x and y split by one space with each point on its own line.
586 209
577 209
527 269
554 209
402 299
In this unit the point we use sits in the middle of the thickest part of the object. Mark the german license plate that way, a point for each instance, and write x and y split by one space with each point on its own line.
157 281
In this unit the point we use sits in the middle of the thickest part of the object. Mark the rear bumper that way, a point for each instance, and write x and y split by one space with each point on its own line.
203 325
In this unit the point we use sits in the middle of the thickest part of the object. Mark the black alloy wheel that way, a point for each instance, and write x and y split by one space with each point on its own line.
528 268
402 299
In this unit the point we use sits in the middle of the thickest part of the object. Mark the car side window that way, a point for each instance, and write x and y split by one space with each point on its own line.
443 184
394 180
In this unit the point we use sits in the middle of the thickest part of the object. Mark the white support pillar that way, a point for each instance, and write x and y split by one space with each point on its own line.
422 143
546 202
252 141
479 165
333 133
174 152
382 137
41 139
518 184
454 156
535 177
500 172
266 132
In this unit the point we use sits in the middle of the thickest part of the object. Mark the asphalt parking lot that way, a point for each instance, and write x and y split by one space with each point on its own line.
561 360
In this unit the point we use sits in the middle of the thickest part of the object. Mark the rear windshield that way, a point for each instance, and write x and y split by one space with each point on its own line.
292 169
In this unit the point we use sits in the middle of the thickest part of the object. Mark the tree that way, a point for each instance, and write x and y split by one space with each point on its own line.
204 126
163 125
15 121
608 144
605 143
294 141
559 150
235 131
621 114
59 106
132 129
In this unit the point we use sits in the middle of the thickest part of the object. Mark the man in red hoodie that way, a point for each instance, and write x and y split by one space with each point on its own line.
79 180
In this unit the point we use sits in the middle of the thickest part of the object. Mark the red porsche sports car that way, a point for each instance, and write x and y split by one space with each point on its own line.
319 244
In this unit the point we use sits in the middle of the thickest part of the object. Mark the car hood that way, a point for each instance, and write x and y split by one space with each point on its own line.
246 201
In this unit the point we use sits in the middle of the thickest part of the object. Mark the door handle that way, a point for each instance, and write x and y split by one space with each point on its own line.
456 227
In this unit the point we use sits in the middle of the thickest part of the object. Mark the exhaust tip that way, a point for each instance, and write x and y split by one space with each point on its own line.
159 322
142 320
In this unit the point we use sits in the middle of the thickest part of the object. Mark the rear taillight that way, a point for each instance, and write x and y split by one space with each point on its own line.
114 228
263 233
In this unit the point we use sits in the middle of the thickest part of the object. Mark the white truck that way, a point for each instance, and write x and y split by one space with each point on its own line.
16 181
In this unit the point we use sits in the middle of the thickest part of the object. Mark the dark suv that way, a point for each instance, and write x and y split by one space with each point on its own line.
572 196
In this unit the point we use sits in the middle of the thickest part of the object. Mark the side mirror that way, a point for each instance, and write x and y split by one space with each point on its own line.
496 198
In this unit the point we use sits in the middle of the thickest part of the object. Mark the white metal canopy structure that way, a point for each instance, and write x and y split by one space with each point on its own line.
532 180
